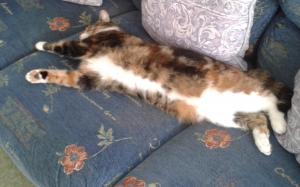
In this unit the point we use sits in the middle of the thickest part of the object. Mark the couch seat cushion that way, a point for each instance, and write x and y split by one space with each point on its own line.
193 158
24 22
105 134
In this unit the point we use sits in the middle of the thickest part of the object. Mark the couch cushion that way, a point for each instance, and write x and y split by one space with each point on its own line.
22 23
291 8
219 29
194 158
42 126
137 3
279 50
263 14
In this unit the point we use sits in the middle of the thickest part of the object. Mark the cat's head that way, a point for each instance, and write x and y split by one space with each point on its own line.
103 24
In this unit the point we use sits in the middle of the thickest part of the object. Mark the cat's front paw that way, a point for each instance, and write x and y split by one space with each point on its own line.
37 76
40 45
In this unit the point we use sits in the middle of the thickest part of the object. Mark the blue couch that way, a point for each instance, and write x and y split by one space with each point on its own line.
62 137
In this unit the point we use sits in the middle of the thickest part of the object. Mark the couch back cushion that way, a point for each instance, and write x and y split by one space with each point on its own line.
219 29
137 3
291 8
263 14
278 50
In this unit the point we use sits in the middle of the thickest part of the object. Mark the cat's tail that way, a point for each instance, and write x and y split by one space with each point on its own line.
282 92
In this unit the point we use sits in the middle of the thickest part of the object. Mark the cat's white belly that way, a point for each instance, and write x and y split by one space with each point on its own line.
220 107
213 105
110 71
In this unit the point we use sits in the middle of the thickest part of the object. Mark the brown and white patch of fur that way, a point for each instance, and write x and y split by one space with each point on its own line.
257 123
60 77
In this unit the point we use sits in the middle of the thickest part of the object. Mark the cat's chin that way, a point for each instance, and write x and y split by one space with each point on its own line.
40 45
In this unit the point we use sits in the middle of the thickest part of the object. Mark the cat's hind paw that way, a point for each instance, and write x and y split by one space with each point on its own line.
278 122
279 125
262 142
40 45
37 76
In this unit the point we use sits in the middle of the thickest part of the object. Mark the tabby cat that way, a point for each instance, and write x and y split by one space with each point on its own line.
191 89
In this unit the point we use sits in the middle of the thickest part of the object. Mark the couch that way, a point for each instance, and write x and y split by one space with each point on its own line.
116 140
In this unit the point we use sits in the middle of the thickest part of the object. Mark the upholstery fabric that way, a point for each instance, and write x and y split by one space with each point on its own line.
137 3
24 22
220 29
263 13
86 2
291 8
291 140
45 126
279 50
229 158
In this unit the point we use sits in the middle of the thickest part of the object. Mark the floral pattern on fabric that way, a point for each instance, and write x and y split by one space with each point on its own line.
3 26
215 138
2 43
132 182
6 8
106 138
49 92
85 19
3 80
74 158
30 4
59 24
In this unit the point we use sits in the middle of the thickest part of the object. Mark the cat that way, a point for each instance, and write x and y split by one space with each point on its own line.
189 88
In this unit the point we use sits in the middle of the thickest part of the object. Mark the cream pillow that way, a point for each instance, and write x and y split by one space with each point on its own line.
217 28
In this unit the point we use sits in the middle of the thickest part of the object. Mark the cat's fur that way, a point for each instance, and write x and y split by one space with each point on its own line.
191 89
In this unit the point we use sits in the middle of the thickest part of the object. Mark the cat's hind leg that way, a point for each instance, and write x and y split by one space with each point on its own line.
261 136
258 124
277 120
59 77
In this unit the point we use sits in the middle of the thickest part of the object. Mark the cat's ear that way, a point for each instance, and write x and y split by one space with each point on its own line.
104 16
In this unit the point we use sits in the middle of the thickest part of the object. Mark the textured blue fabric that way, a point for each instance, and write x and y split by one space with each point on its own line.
132 24
264 12
137 3
186 161
37 122
291 8
24 22
279 50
